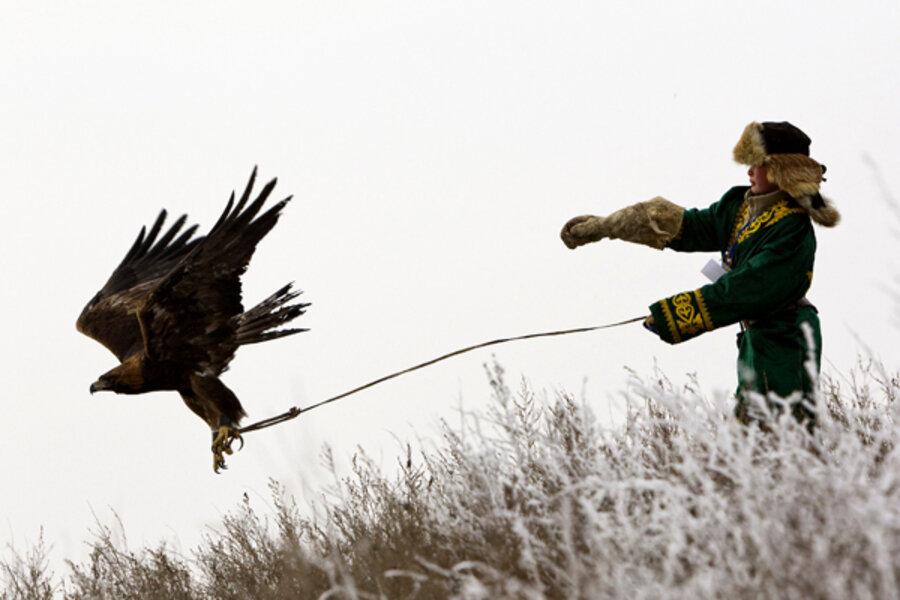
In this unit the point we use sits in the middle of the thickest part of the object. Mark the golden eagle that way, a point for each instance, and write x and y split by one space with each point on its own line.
171 312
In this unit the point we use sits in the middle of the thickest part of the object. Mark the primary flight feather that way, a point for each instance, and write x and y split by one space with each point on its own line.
172 313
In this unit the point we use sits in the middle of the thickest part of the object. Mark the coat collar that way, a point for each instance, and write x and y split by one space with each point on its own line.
761 203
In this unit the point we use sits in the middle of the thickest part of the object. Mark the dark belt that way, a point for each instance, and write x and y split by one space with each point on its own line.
801 303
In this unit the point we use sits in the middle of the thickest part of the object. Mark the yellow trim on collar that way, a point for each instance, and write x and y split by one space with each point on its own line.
769 217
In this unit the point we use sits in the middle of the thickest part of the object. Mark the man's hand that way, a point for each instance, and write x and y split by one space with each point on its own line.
582 230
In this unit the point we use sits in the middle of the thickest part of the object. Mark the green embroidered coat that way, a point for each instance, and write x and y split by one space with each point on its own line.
769 264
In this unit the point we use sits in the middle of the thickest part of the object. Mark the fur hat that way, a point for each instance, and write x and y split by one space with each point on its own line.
784 150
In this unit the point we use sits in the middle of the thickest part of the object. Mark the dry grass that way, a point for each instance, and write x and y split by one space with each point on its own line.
536 500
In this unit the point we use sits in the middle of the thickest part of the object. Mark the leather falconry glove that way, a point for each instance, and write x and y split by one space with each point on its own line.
652 223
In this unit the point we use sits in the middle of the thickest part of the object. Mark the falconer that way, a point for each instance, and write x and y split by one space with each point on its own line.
767 244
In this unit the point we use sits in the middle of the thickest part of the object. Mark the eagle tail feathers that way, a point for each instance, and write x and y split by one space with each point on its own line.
272 335
260 323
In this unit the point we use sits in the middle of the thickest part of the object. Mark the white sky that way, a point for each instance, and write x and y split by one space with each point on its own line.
434 150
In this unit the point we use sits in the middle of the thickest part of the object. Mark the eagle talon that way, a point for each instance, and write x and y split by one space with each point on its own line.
222 440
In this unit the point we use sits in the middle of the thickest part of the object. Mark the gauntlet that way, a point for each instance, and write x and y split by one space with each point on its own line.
652 223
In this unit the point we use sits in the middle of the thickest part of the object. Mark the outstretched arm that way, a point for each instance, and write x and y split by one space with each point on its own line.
776 277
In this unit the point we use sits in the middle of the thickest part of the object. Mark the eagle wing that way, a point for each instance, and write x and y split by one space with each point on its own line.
110 316
192 315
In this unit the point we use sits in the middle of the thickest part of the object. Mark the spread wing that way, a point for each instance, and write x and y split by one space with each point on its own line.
192 315
109 317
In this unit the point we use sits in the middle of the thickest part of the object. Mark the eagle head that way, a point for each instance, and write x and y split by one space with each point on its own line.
126 378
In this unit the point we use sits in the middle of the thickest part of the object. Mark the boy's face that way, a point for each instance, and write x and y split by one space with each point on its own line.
759 181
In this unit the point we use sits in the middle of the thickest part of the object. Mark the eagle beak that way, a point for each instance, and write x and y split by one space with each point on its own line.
98 386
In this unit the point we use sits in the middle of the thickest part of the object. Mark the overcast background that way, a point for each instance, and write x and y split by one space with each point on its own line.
434 150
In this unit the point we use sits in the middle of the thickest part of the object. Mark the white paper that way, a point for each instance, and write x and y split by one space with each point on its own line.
713 270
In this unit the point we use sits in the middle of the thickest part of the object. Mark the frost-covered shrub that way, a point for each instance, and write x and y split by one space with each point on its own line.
113 572
537 499
27 577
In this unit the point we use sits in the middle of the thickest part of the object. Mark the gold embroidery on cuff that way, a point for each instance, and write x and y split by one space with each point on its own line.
688 320
670 322
704 312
